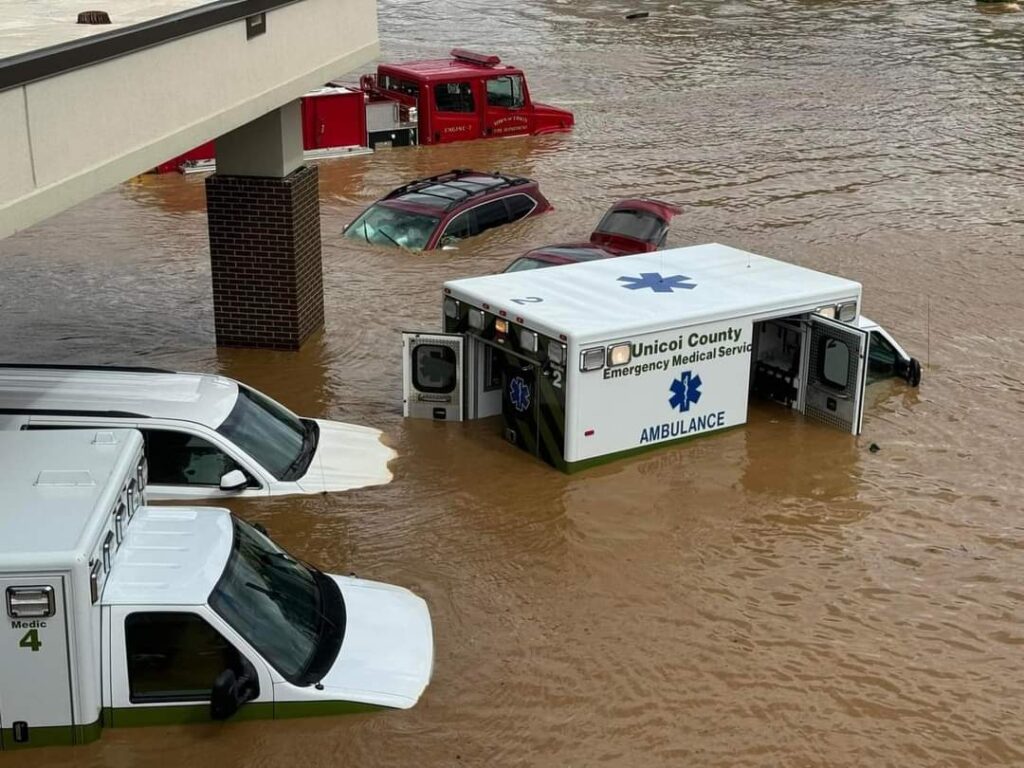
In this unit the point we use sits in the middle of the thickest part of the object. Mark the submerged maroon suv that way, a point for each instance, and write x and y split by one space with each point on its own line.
634 225
441 210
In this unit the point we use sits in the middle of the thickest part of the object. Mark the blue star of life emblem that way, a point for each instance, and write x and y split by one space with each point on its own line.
657 283
519 394
685 391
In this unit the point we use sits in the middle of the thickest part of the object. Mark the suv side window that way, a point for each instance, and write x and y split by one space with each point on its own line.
454 97
492 214
461 227
175 657
177 458
520 206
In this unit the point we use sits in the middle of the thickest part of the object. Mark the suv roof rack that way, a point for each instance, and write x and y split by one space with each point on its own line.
62 367
457 174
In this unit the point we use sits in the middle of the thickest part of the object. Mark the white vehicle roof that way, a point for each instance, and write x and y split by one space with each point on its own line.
202 398
170 556
589 302
56 492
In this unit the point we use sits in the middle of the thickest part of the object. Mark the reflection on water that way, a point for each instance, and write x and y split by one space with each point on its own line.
776 594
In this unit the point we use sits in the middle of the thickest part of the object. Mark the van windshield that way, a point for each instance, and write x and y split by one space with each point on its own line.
278 439
292 614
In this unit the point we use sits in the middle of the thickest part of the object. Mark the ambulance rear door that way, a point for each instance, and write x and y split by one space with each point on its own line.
35 672
433 376
836 374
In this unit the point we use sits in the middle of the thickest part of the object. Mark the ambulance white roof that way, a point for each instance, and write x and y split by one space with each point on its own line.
648 292
202 398
170 555
56 492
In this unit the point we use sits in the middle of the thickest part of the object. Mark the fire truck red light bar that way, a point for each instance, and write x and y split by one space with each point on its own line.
476 58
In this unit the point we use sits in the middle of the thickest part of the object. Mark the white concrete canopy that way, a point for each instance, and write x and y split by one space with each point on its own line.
79 117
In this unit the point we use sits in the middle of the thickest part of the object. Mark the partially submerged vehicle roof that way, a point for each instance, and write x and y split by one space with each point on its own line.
123 392
445 191
613 298
460 64
170 555
56 494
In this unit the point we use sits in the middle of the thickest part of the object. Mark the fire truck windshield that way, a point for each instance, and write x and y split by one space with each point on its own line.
383 225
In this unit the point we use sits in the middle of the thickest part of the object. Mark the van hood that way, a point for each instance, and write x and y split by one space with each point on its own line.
347 456
387 654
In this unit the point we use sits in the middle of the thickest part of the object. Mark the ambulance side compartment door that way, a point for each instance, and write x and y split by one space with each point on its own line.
836 374
35 679
165 660
433 376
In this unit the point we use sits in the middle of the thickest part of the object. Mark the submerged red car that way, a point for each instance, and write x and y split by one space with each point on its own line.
634 225
441 210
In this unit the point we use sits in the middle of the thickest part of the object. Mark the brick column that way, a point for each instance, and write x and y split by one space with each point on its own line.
265 257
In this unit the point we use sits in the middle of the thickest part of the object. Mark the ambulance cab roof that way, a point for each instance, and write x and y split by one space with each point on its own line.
170 556
649 292
122 392
56 492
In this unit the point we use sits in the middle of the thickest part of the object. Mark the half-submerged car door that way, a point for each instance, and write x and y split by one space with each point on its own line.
634 226
433 377
836 374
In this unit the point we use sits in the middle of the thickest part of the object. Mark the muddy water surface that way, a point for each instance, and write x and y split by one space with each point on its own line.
777 595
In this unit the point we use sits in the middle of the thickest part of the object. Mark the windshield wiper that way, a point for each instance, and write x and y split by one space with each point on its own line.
309 440
258 588
389 237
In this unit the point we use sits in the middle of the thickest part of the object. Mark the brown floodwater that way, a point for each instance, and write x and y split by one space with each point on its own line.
775 595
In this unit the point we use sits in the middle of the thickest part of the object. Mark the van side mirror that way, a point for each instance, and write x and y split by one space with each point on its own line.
229 693
235 480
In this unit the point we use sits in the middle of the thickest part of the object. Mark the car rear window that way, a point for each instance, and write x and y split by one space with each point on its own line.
638 225
527 263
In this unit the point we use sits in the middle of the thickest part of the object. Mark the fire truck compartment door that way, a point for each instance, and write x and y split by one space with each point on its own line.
836 374
433 376
35 678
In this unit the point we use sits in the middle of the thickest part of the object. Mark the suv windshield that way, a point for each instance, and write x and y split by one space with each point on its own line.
383 225
293 615
278 439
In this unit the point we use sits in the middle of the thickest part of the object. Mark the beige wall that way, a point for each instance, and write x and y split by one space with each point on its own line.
92 128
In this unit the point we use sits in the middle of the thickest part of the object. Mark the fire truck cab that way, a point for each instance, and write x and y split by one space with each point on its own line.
467 96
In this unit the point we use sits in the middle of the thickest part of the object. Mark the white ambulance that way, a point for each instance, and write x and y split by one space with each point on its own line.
115 613
591 361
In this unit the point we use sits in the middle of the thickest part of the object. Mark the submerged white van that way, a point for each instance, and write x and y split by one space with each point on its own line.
206 436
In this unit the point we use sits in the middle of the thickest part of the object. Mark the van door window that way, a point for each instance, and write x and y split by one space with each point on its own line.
454 97
177 458
505 91
434 368
490 215
175 657
835 363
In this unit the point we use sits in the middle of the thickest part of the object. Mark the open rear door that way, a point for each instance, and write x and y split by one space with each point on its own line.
433 376
836 374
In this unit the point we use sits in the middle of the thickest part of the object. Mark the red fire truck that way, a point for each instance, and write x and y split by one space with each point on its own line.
466 96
